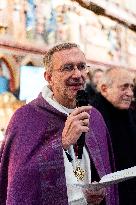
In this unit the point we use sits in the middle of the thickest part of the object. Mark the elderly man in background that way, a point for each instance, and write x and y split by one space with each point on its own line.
113 101
39 165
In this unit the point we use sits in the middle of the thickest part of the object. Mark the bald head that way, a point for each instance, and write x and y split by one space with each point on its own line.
115 74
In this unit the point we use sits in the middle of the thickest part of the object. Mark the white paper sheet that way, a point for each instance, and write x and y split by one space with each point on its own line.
109 179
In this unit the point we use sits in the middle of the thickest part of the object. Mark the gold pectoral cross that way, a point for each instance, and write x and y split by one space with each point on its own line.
79 173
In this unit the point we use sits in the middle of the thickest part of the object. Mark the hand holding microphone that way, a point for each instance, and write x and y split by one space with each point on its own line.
81 100
76 124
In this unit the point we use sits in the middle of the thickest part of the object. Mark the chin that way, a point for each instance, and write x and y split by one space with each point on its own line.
124 107
72 94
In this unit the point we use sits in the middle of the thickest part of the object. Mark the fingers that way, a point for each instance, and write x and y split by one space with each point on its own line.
95 197
100 192
81 116
79 123
72 118
85 122
80 110
81 119
76 123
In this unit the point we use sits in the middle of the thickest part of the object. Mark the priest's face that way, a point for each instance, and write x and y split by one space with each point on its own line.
68 75
120 93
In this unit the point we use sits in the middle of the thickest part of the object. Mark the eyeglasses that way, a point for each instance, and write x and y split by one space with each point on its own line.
67 68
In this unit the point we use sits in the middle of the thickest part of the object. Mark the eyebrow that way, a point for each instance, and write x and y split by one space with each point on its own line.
74 62
126 85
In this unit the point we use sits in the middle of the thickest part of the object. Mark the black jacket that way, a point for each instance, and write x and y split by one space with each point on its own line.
122 127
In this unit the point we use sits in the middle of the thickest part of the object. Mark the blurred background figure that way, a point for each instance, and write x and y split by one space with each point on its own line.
96 76
4 82
92 85
133 104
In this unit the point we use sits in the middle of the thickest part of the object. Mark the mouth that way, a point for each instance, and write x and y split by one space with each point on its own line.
76 87
75 84
127 101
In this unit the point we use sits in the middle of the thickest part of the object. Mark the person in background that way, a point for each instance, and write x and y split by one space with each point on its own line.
133 103
96 76
4 82
92 87
39 163
113 102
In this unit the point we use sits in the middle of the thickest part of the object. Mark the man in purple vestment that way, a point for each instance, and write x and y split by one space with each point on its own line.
39 160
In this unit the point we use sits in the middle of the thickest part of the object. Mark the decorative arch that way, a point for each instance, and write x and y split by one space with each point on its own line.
27 60
33 60
13 70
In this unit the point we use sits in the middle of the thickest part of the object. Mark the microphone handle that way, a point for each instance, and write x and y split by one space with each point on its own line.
81 100
80 144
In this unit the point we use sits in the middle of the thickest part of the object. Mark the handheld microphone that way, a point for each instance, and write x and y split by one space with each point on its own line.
81 100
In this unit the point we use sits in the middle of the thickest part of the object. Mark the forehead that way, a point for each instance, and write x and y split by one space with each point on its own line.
74 55
123 78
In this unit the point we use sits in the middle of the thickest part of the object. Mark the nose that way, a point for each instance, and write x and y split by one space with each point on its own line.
76 72
130 91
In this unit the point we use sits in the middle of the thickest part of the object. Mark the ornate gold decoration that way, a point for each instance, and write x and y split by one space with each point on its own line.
79 173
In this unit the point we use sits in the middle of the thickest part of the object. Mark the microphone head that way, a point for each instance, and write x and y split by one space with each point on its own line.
82 98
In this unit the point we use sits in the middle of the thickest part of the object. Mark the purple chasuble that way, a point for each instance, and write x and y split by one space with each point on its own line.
32 168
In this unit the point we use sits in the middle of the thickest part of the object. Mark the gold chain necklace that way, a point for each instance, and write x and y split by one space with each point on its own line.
78 171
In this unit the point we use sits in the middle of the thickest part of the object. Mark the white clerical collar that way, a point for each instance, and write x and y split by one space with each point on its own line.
47 94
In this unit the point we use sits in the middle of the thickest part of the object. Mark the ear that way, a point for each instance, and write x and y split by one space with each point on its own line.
48 76
103 89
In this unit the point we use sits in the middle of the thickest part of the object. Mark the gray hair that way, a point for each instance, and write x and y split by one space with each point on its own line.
110 74
48 56
107 77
